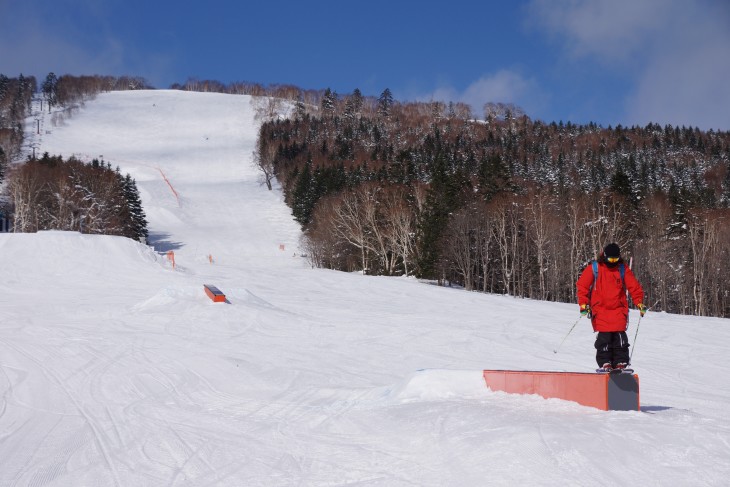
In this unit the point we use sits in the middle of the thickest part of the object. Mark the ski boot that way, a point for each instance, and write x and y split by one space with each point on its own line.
605 368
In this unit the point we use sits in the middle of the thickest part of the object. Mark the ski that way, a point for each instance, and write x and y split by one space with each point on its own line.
614 371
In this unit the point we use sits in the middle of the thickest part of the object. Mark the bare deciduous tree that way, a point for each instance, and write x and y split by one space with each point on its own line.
702 232
266 108
401 222
264 159
505 216
461 248
540 224
350 223
25 189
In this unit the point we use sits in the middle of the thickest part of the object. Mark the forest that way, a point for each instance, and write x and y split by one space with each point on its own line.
503 203
55 194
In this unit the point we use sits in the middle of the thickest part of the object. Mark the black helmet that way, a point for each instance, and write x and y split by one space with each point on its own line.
612 252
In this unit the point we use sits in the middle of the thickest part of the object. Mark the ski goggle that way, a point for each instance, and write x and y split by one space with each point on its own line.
612 260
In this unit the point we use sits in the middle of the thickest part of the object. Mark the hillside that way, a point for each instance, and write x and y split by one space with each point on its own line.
116 369
509 204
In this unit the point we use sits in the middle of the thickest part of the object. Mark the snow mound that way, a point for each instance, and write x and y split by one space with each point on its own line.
438 385
69 254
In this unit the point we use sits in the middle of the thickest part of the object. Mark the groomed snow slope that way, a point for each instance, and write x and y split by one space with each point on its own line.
116 369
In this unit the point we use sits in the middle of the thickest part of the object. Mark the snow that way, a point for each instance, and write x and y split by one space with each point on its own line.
116 369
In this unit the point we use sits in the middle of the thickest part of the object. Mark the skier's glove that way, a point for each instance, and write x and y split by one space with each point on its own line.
642 308
585 310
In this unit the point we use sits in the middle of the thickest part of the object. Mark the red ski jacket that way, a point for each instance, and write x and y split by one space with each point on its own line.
609 308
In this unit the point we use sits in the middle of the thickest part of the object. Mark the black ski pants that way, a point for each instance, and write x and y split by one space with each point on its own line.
612 347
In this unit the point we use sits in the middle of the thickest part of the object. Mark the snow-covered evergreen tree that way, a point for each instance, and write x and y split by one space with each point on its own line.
329 103
137 224
385 102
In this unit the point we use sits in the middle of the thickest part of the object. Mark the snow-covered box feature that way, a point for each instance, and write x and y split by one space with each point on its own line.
610 392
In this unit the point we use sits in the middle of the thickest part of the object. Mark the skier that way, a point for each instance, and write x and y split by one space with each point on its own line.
602 297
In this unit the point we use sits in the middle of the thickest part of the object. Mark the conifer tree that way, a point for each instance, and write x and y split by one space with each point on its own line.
385 102
137 225
444 197
329 103
301 196
4 84
432 221
300 110
493 176
50 90
357 101
349 112
3 163
621 184
725 197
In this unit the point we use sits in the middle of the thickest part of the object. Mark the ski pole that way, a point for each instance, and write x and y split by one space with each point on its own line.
566 336
633 345
637 333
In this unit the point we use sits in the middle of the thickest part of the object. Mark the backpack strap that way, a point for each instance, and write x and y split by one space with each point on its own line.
621 270
595 274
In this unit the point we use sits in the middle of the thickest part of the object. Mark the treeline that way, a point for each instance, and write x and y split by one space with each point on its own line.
15 100
285 91
52 194
68 90
507 204
305 100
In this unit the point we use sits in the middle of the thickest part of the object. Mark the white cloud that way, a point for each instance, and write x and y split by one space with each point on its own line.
38 53
504 86
676 54
35 41
611 30
687 83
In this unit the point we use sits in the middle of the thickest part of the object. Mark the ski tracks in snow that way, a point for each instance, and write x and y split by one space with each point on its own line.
91 422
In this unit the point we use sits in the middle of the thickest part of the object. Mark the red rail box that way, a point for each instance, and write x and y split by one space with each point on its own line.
609 392
214 293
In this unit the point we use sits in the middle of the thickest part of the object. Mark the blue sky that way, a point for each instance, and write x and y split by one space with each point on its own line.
611 62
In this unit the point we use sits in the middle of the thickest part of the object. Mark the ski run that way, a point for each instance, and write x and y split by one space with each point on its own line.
117 369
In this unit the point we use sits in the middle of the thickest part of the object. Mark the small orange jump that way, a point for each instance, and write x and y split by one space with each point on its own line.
214 293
